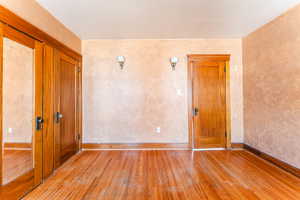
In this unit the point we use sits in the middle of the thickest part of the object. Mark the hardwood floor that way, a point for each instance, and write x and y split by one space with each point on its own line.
168 175
16 163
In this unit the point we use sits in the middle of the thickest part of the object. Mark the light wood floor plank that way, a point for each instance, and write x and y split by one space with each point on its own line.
168 175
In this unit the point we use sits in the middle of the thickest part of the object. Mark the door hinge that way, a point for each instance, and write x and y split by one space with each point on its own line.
225 134
225 69
78 69
78 137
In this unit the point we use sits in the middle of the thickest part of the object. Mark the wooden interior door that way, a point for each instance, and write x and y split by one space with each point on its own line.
209 103
21 162
66 127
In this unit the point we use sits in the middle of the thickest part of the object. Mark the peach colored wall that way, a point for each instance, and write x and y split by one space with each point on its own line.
17 92
32 12
127 106
272 88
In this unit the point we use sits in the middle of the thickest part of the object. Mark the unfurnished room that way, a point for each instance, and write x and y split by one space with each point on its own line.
150 100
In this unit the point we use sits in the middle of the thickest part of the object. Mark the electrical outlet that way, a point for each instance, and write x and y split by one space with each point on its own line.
157 129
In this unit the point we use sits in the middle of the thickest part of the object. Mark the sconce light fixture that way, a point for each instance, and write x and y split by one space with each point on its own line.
121 61
174 60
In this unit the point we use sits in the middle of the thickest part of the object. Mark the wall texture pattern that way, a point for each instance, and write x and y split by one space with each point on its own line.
272 88
127 106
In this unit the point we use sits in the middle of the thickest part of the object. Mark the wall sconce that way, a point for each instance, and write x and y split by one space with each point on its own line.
121 61
174 60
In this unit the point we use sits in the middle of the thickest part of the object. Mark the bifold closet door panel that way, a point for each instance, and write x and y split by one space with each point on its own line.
21 113
65 128
48 111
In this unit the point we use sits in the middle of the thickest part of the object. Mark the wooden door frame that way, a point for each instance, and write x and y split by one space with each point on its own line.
25 182
211 57
8 18
48 112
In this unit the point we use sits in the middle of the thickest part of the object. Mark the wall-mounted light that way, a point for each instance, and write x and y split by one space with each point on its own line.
173 60
121 61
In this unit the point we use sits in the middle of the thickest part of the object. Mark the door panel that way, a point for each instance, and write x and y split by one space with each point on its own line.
66 113
209 102
21 105
67 109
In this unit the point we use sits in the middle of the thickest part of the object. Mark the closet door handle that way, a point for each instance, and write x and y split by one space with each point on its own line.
39 123
58 116
195 111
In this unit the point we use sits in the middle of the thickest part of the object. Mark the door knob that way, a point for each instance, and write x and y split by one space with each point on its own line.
38 124
196 111
58 116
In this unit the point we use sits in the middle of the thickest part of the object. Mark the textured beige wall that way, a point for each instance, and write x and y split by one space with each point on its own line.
127 106
32 12
272 88
17 92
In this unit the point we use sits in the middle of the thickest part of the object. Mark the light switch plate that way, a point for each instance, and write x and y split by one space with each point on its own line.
157 129
179 92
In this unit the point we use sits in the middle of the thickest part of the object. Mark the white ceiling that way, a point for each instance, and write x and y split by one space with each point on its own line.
143 19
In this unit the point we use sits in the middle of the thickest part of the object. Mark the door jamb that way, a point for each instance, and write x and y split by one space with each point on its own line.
212 57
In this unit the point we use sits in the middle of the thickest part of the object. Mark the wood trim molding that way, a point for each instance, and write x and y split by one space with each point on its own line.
190 102
79 106
283 165
228 103
48 110
237 145
8 17
37 142
90 146
18 187
18 37
208 57
1 103
18 145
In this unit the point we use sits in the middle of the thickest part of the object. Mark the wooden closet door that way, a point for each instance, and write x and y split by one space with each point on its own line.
66 132
209 104
21 87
